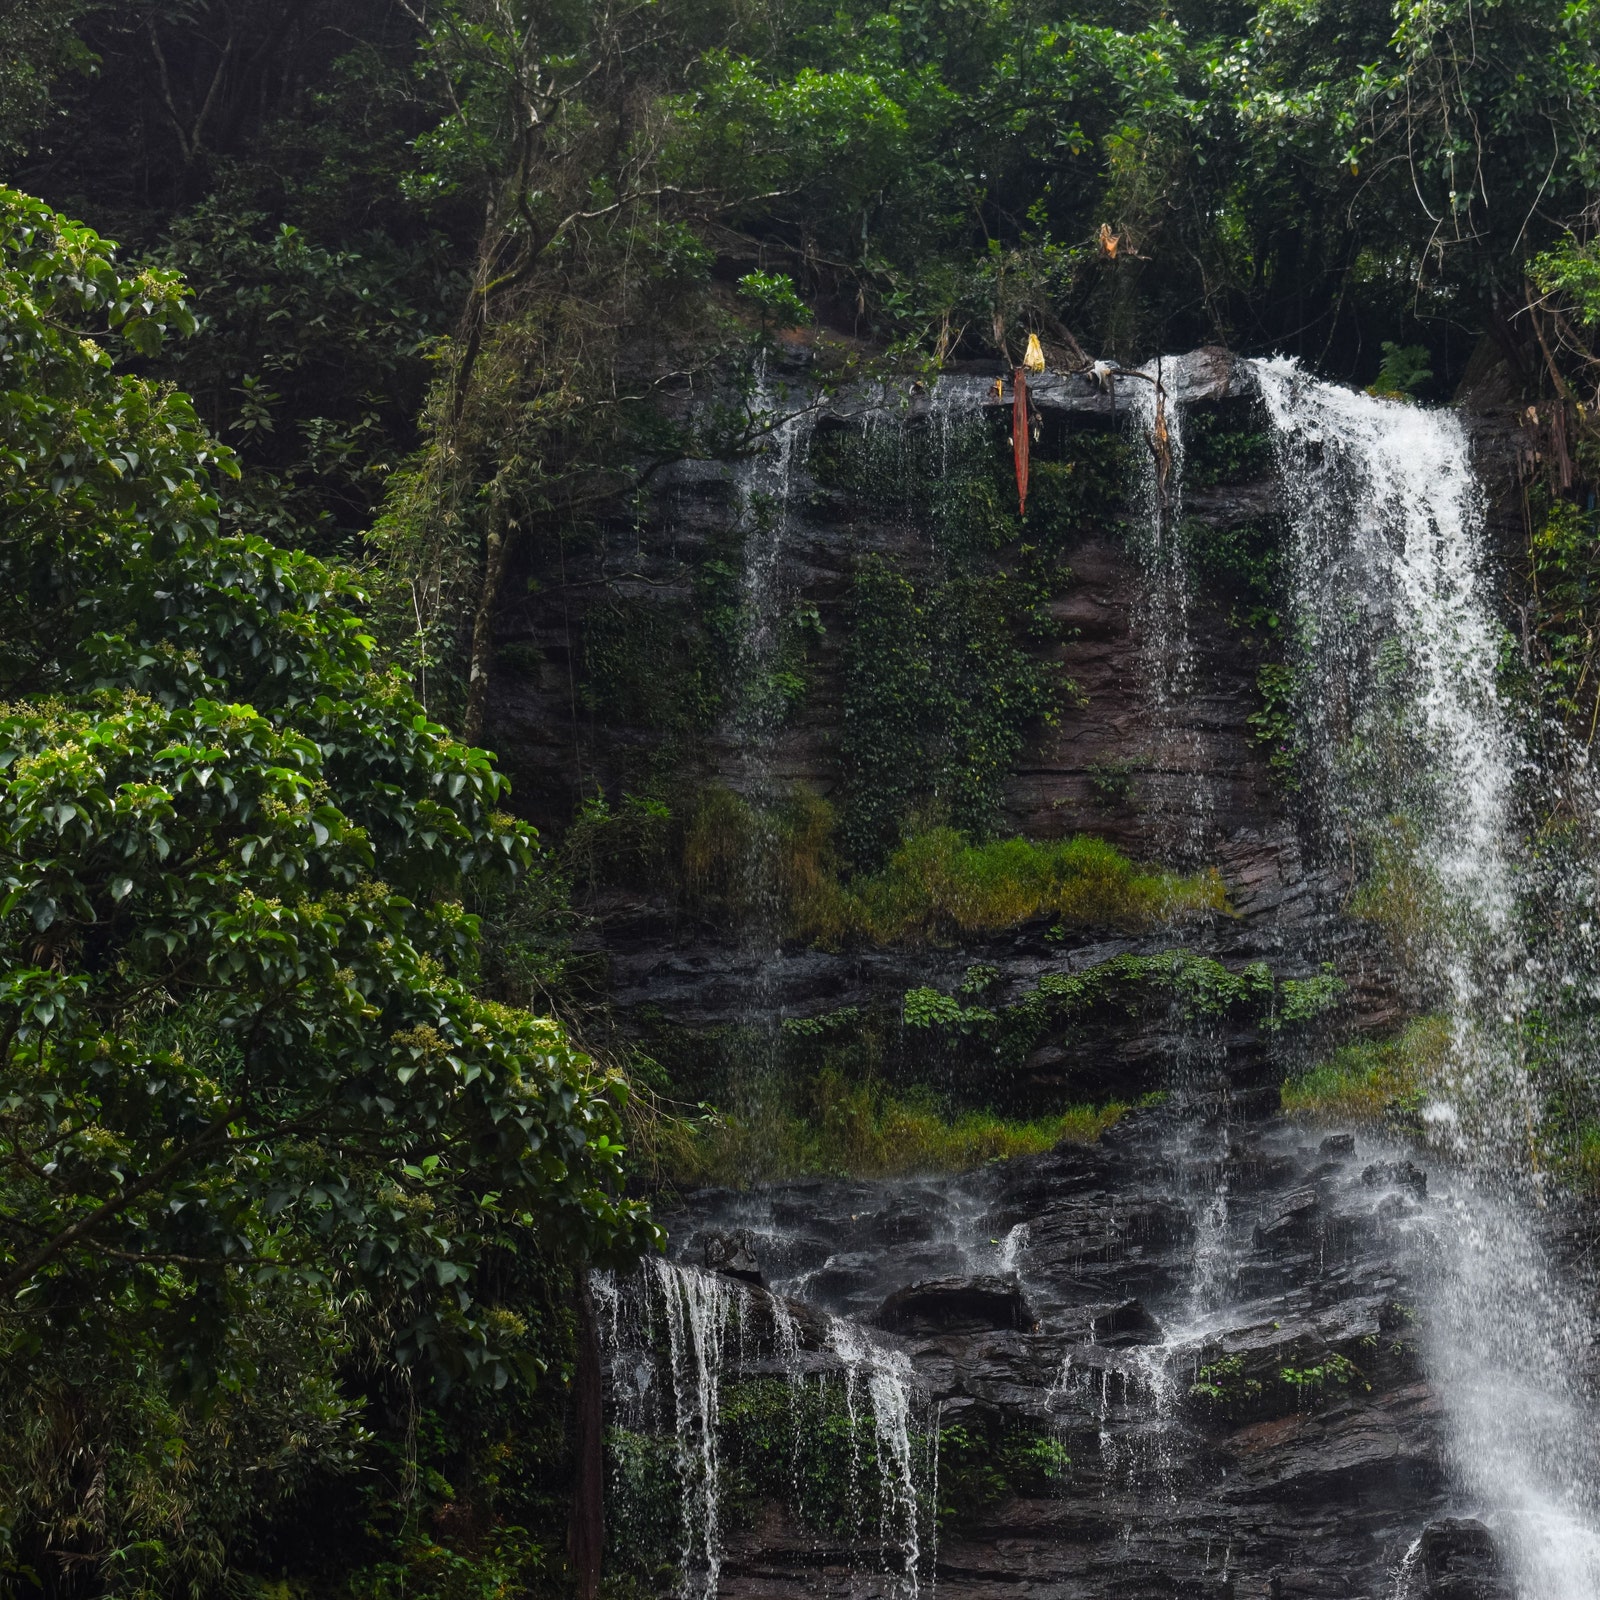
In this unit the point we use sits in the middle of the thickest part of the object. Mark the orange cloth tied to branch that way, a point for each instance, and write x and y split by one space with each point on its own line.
1019 436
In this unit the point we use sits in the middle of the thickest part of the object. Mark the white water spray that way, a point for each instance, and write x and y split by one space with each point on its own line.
1406 724
766 487
1414 755
697 1306
888 1383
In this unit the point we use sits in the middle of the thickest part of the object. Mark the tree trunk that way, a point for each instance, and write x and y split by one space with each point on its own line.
480 660
586 1530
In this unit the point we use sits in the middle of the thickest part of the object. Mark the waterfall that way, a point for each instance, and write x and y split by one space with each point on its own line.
1156 396
1410 744
888 1381
674 1336
697 1305
766 487
1414 754
1156 504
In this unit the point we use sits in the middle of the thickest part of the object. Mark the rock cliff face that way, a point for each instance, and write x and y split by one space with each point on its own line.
1261 1431
1184 779
1212 1316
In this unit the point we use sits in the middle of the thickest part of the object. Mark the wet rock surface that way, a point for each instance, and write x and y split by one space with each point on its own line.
1238 1389
1459 1561
1216 1318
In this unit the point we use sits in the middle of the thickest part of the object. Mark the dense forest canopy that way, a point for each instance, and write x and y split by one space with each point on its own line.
300 1173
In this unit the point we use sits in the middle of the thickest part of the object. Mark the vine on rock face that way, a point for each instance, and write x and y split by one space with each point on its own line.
939 697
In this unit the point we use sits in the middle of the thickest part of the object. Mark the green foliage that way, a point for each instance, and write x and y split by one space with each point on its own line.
648 665
833 1126
1224 1384
1277 724
981 1462
939 697
40 46
1571 268
1110 782
773 295
644 1524
1245 563
739 861
1246 1386
184 1464
1302 1000
310 358
1193 988
802 1448
245 1082
1311 1382
1564 558
1225 444
1403 370
937 884
799 1447
1080 493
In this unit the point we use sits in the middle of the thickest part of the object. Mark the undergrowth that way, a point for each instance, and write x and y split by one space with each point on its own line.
938 882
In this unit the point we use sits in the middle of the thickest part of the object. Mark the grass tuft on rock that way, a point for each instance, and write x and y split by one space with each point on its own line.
1372 1080
937 885
851 1129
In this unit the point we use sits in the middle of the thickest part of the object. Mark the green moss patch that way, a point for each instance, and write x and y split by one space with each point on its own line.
936 886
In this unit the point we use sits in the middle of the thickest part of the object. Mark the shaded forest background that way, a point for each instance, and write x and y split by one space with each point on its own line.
441 278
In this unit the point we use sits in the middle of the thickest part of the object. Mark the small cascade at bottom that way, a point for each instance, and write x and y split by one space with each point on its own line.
696 1417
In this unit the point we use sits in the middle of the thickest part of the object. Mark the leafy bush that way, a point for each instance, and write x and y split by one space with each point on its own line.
1403 370
937 885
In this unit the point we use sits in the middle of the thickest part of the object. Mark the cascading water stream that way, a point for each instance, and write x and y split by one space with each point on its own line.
888 1383
1414 755
766 488
674 1336
1155 396
697 1305
1410 742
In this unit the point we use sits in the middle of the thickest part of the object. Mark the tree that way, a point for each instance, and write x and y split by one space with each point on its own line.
240 1060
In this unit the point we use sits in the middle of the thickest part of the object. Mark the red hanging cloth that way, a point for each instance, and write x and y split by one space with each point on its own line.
1019 436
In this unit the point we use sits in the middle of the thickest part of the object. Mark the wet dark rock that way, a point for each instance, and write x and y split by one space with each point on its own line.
954 1305
1299 1446
734 1254
1250 1169
1124 1324
1294 1219
1290 1449
1203 787
1304 1585
1396 1175
1459 1561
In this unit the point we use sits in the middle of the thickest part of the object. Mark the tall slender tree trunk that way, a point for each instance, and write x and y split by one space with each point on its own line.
480 659
586 1530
